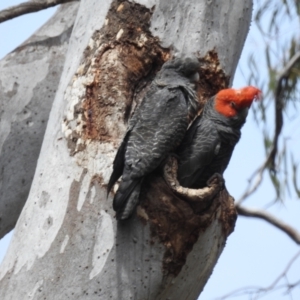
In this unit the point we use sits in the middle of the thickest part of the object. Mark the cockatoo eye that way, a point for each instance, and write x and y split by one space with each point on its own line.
232 104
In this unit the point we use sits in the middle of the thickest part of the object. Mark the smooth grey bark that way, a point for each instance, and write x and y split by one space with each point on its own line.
71 245
29 77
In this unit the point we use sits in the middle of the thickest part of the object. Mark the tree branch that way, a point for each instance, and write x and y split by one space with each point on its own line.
270 159
259 292
284 273
279 106
289 66
256 213
250 190
28 7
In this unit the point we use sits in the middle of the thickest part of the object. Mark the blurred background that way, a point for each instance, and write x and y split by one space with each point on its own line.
259 260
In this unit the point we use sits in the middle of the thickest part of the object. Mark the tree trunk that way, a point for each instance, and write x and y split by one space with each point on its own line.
29 78
67 243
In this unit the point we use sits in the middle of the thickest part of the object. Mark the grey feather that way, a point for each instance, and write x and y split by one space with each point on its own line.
208 145
156 129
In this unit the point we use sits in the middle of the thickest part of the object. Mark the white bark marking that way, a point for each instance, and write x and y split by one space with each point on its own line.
64 244
142 40
97 158
103 244
91 43
73 95
35 289
119 34
93 194
83 191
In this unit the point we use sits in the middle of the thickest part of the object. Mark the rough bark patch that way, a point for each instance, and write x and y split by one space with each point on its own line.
228 214
212 77
117 62
176 224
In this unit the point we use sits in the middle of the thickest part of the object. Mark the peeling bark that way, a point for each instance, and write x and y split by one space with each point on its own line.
120 57
28 81
72 246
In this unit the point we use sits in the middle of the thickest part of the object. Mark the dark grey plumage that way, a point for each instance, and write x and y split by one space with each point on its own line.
208 145
156 128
